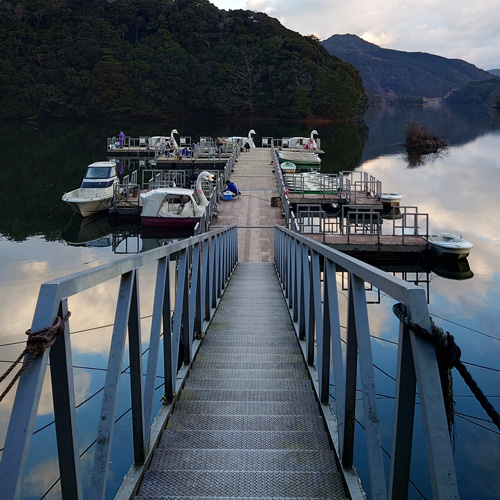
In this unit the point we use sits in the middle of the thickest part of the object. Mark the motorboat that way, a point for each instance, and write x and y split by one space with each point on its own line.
450 245
175 208
95 195
287 167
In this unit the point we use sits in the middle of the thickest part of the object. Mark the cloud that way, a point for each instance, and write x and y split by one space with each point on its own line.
460 29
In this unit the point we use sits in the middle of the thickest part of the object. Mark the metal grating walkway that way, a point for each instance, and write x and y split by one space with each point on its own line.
247 423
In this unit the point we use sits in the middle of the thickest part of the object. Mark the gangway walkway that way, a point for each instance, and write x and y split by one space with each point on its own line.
247 423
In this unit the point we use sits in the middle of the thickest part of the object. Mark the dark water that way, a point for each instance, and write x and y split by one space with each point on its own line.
40 241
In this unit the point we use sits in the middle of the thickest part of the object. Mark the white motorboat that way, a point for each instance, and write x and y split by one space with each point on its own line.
450 245
95 195
175 208
287 167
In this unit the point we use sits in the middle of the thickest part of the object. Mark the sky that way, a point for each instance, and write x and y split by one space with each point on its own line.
455 29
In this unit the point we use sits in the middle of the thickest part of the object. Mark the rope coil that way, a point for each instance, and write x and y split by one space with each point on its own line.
448 354
36 344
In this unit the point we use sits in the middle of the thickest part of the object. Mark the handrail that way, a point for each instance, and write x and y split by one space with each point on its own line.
307 271
205 263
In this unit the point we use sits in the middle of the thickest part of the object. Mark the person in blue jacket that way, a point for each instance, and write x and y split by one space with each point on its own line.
231 187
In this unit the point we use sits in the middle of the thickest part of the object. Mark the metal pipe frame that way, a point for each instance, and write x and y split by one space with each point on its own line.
318 323
206 263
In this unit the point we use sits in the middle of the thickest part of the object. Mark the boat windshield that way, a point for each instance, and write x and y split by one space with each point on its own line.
99 172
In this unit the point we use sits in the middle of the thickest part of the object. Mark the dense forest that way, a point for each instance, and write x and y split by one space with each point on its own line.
164 58
484 91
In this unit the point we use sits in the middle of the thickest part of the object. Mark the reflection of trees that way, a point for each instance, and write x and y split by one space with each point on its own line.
343 145
417 159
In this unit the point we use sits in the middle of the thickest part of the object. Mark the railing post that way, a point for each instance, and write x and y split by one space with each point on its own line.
195 296
135 356
154 343
437 439
110 395
404 411
63 397
23 415
367 376
350 384
167 337
297 280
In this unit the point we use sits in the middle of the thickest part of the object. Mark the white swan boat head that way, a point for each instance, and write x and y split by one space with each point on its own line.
96 193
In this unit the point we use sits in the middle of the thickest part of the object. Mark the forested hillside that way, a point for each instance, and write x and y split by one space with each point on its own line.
161 58
484 91
393 75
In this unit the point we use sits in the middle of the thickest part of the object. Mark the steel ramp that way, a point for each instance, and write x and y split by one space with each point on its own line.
247 424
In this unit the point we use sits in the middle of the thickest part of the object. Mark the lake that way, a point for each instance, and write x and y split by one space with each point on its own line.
40 241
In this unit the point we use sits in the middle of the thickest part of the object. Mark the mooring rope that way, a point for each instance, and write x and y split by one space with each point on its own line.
36 345
448 354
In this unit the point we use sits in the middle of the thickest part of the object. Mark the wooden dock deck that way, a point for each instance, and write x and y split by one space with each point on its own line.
252 211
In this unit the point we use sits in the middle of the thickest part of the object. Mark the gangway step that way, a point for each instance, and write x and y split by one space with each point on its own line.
247 423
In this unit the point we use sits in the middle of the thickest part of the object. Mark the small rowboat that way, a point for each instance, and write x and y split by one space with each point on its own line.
450 245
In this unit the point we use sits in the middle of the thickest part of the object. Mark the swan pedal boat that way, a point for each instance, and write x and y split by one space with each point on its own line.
450 245
95 195
165 208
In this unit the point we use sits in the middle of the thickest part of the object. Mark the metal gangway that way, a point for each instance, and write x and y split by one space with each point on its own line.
206 339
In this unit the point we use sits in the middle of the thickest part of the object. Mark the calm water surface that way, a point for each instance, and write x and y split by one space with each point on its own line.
40 241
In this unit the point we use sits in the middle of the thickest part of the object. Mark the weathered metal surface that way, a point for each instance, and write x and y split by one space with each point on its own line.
247 422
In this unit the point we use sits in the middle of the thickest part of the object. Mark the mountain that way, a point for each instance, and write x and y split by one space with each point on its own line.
393 75
495 72
158 59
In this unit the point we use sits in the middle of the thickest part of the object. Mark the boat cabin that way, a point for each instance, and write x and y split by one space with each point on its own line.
100 174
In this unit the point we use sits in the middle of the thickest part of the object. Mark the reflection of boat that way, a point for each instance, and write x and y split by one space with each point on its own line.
453 269
93 231
390 205
301 159
96 192
450 245
390 200
175 208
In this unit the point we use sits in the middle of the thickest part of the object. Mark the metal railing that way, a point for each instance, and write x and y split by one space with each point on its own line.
307 271
205 263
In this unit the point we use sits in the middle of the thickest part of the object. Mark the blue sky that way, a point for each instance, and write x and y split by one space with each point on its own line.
457 30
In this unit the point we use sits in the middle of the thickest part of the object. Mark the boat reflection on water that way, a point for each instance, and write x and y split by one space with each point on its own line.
93 231
124 238
453 269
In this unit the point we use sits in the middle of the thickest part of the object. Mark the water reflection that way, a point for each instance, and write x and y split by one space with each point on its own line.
41 241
